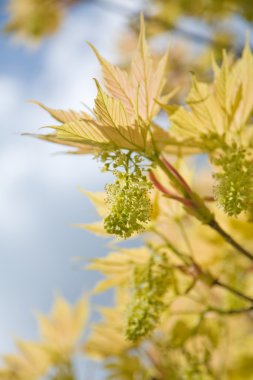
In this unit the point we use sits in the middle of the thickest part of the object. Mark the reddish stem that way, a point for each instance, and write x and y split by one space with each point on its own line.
177 175
159 186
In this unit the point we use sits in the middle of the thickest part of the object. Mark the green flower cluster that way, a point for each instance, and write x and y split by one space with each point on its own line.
151 283
128 197
234 183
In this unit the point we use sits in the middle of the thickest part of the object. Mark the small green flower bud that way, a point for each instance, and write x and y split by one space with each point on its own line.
128 197
151 283
129 205
234 183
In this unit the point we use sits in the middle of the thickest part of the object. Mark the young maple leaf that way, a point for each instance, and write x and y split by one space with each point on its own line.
118 267
122 115
110 329
30 363
219 112
141 88
63 328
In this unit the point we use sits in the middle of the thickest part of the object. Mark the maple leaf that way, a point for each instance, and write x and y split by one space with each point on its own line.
98 200
142 86
116 82
30 363
66 117
122 115
118 124
98 345
63 328
118 267
216 113
148 81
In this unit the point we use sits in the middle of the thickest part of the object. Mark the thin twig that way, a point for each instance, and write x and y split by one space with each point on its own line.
215 226
192 269
212 309
183 187
233 290
185 237
229 312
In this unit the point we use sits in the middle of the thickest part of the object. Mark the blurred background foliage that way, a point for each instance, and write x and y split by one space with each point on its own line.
196 30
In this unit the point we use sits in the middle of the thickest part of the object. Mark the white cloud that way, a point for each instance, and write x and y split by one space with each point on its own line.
64 81
10 97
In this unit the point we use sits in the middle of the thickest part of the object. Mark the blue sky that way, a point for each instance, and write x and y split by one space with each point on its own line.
39 197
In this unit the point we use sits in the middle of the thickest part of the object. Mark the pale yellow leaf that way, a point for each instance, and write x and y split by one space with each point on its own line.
117 124
148 81
110 329
65 116
245 70
118 266
110 282
116 82
30 363
96 228
80 148
123 115
220 110
98 200
62 329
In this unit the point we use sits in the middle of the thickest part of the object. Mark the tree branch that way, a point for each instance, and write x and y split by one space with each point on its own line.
192 269
192 202
215 226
